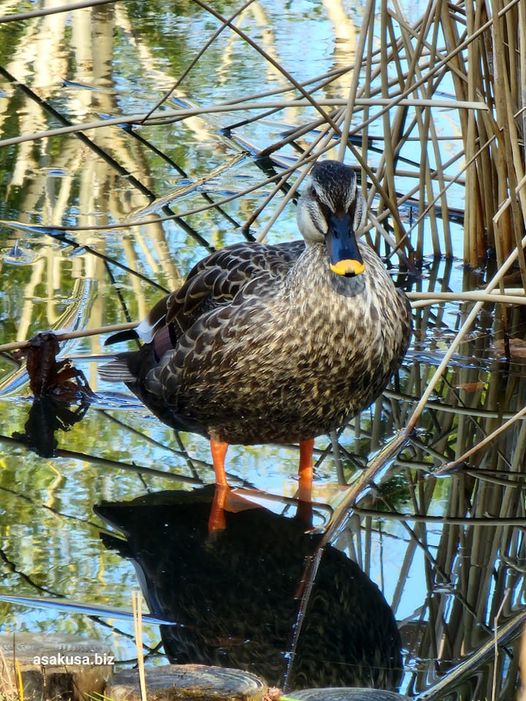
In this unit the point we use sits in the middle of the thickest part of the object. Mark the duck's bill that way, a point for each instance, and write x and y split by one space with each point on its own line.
344 254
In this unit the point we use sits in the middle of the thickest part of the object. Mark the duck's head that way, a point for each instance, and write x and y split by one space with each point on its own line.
330 210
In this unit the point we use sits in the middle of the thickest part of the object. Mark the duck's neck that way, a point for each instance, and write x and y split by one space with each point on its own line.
312 270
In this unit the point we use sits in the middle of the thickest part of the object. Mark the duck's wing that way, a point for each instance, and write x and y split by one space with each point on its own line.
212 282
219 278
245 269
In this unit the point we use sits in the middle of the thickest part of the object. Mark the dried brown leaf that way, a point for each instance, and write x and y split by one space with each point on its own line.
47 375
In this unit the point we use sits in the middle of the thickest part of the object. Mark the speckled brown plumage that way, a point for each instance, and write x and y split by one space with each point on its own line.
267 344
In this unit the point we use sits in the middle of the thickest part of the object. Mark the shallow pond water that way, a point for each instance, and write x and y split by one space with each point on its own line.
423 572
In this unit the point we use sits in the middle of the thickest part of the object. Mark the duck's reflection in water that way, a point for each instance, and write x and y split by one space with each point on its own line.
237 593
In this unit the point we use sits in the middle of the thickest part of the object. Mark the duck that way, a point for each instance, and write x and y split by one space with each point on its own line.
275 343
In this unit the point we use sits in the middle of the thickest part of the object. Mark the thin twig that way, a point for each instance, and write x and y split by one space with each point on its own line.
137 627
54 10
444 469
472 316
421 299
169 116
196 58
307 95
66 335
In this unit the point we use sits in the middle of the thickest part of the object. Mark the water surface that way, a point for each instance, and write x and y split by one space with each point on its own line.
66 531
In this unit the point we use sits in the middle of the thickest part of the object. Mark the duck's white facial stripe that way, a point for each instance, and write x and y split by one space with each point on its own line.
311 221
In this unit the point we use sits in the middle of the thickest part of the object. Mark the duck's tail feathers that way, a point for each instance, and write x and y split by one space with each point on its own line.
116 371
128 335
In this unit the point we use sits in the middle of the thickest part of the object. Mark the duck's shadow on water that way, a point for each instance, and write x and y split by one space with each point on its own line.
235 594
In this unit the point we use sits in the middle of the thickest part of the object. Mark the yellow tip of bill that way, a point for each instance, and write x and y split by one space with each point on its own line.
346 267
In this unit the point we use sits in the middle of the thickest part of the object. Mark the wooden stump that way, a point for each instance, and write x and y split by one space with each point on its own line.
56 666
345 694
192 681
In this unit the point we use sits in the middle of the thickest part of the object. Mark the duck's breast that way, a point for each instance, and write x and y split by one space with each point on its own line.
294 362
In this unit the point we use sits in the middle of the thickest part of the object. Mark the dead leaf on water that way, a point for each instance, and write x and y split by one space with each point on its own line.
517 347
49 376
471 386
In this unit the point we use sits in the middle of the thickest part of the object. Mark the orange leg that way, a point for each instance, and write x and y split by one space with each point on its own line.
305 470
218 450
305 473
216 520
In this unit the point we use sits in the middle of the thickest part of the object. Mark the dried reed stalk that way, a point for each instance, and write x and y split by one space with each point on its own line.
138 631
66 7
82 333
